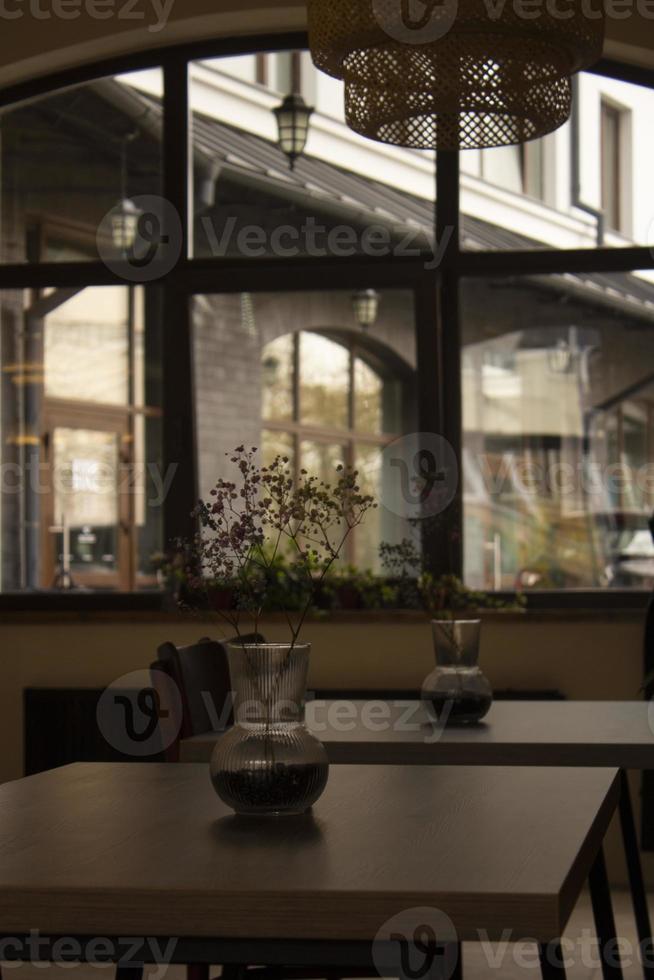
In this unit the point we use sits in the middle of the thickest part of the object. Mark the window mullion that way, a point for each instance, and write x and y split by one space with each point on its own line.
438 336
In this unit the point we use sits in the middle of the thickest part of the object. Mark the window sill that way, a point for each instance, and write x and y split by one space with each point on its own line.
543 607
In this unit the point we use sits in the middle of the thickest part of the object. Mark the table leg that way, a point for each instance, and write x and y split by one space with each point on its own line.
551 961
130 972
600 895
636 883
446 964
457 967
197 971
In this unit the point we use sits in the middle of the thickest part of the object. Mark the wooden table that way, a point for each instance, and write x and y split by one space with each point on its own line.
518 733
147 850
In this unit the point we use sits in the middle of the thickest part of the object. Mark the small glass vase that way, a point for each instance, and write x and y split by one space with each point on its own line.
456 692
268 762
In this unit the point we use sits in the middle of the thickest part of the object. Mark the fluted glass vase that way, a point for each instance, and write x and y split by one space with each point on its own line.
456 692
268 762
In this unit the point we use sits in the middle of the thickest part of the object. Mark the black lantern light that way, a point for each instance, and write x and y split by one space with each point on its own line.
559 357
365 304
125 216
293 117
124 225
563 357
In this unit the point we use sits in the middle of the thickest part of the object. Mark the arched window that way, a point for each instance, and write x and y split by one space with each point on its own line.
327 400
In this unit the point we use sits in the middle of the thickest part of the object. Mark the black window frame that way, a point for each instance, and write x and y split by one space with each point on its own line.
436 303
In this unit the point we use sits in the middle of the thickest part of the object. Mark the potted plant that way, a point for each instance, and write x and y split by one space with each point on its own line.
456 692
268 762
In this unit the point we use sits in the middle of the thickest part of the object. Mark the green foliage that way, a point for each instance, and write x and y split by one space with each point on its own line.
441 597
276 581
445 596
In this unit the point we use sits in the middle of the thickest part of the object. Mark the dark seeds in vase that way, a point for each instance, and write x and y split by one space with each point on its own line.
278 788
465 710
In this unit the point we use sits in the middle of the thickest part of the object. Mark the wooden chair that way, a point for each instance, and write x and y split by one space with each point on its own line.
201 674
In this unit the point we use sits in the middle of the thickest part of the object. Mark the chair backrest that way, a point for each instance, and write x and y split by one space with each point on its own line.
160 671
201 672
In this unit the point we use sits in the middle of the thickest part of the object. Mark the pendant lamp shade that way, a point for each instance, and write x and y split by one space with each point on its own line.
464 75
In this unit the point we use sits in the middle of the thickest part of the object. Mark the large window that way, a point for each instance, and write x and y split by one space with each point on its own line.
81 424
520 169
521 336
558 436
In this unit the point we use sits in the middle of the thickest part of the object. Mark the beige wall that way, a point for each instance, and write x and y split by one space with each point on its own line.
586 657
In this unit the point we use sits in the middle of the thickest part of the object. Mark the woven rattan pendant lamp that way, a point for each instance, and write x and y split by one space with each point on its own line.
447 75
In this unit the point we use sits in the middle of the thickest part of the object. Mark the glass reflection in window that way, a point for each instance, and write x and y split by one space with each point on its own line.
277 368
86 347
324 381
